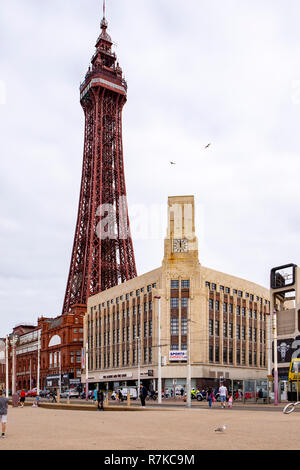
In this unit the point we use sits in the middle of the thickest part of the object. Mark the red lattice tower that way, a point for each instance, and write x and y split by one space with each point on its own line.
103 253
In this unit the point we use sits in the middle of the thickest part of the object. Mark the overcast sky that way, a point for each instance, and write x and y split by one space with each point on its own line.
199 71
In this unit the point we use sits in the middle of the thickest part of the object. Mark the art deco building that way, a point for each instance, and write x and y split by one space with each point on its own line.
227 317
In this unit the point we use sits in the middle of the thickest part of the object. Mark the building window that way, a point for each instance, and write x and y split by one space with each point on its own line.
211 354
145 329
243 311
227 290
230 308
185 284
184 326
211 304
174 326
217 305
150 355
225 355
238 331
184 302
217 359
150 328
174 347
230 330
174 302
211 327
243 332
230 356
217 328
225 329
238 310
213 287
240 293
222 288
225 307
207 284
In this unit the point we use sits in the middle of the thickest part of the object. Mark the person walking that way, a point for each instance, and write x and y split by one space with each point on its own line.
3 412
223 395
230 400
143 395
100 398
210 396
22 398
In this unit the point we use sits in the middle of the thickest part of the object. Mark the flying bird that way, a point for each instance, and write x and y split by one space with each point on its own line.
221 429
172 163
208 145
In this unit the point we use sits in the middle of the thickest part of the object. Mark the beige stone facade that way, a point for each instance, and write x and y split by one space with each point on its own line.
227 317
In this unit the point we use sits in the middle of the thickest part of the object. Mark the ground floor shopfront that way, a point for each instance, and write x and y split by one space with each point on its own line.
245 384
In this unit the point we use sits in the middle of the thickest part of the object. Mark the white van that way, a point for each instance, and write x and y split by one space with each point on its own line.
131 390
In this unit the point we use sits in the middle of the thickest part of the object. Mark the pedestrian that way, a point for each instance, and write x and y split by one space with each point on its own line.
95 395
223 395
230 399
120 396
143 394
100 398
210 396
182 391
22 398
3 412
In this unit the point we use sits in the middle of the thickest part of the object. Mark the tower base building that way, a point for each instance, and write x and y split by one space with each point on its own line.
218 322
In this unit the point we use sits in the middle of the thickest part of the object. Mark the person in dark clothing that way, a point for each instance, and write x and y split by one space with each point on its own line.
143 395
100 398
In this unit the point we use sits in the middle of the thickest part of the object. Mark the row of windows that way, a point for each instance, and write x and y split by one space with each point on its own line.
240 331
126 334
127 296
239 293
175 302
185 284
228 308
136 310
175 326
240 356
114 359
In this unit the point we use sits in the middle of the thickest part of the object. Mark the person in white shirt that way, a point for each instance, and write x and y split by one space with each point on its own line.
223 395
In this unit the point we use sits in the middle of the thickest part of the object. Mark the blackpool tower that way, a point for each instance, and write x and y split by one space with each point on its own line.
102 255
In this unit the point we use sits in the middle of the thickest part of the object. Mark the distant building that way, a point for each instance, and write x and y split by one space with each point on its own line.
227 317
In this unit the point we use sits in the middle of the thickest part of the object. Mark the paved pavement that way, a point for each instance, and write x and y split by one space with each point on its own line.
150 429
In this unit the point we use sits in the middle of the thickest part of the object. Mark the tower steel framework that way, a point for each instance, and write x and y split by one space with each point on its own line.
102 255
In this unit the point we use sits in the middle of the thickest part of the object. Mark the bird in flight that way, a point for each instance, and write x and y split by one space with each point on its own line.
172 163
208 145
221 429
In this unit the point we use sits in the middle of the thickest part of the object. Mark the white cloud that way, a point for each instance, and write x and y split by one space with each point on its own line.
209 71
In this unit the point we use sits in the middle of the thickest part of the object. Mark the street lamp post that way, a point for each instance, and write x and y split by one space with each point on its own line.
14 342
139 363
38 364
6 365
188 370
275 359
159 354
86 371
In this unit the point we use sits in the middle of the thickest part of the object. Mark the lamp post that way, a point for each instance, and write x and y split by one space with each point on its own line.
159 353
38 364
86 371
139 363
275 359
188 368
14 342
6 365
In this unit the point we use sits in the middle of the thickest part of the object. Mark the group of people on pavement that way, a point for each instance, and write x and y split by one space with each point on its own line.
224 396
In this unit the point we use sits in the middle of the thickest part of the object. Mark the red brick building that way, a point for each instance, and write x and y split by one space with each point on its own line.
61 345
61 342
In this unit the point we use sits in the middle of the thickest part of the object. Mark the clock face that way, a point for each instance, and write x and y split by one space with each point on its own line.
180 246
